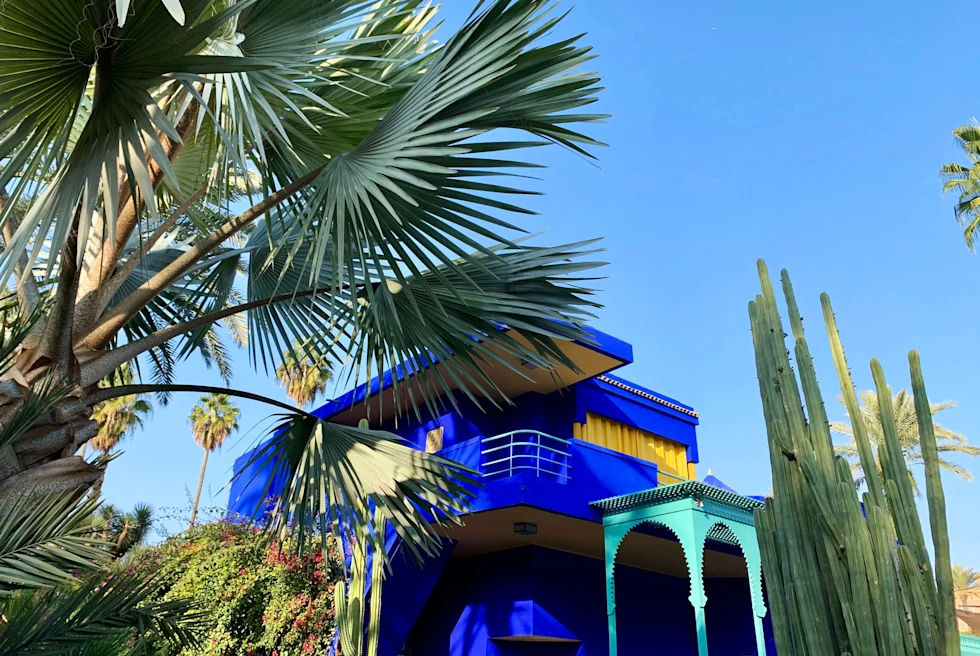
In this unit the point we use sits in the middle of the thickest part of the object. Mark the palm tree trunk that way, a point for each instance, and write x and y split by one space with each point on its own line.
122 537
200 484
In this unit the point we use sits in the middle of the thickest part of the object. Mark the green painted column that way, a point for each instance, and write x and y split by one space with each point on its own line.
749 542
692 541
613 536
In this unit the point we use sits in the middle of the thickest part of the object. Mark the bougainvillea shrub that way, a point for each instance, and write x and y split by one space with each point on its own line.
264 600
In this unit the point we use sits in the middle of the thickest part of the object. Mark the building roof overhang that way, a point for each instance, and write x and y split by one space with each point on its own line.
687 490
376 400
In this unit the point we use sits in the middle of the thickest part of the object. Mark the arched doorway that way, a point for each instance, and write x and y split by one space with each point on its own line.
728 612
694 513
651 587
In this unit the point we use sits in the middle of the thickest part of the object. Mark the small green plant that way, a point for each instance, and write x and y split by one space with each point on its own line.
845 576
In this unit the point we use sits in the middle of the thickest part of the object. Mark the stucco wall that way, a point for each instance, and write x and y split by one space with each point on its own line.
541 592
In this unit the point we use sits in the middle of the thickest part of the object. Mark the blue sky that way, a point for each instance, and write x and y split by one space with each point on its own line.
806 135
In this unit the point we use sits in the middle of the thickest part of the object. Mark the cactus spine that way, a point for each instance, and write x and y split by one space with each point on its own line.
842 578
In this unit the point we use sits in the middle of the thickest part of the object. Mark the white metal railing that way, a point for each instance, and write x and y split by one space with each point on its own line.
526 450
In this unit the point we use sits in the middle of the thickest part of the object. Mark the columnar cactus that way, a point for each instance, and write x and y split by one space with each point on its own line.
349 597
842 577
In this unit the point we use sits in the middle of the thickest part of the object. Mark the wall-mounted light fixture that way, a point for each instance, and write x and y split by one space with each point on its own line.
525 528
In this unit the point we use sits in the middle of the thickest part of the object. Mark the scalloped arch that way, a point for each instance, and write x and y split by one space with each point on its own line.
685 550
722 528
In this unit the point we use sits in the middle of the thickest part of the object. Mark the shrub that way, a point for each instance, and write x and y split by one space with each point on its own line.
265 599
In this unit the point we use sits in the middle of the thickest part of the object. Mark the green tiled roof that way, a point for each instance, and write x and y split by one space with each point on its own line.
685 490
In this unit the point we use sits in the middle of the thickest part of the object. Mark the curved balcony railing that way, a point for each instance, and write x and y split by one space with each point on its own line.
526 451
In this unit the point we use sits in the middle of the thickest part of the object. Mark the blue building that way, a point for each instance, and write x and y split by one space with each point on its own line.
591 534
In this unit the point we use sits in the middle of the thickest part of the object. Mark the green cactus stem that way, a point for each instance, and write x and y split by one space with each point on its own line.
844 575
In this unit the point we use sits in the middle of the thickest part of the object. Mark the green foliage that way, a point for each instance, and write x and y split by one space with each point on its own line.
44 540
213 419
965 578
304 373
965 182
123 531
842 578
263 599
118 417
61 594
903 409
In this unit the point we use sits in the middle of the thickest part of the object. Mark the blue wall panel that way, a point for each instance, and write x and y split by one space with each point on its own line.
547 593
251 494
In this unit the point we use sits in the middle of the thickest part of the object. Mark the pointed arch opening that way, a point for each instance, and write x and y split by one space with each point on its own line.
728 612
650 575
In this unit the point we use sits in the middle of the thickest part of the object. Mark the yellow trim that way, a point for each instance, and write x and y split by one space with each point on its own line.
670 456
692 471
577 430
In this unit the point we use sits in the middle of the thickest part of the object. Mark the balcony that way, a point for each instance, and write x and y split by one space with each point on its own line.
532 468
526 451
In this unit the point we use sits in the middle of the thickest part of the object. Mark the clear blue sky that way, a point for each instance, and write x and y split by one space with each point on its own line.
808 135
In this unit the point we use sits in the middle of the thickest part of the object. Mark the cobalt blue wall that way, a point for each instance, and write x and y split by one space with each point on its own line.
543 592
552 413
252 495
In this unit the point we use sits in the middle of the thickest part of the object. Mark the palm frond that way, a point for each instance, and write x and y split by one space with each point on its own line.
43 541
907 427
57 622
518 301
337 475
407 192
46 62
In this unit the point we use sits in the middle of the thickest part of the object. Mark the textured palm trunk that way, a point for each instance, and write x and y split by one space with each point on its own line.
42 459
200 484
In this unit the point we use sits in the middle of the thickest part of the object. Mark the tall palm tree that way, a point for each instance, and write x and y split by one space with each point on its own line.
213 419
120 416
965 578
965 182
304 373
908 429
377 168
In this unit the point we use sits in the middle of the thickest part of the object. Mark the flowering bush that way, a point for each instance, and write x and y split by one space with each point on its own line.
264 600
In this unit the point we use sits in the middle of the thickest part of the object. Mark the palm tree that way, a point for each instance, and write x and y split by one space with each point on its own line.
965 578
123 531
908 429
304 373
118 417
213 419
965 182
376 166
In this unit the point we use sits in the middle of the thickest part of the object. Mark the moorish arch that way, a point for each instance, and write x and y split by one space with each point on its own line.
694 512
